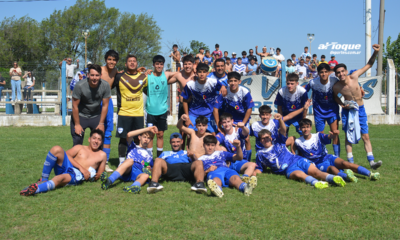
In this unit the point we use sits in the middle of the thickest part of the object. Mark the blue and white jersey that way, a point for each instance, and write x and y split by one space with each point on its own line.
209 59
245 61
233 60
140 156
239 68
314 148
305 55
223 80
272 126
291 102
227 140
236 103
277 157
172 157
218 159
203 96
324 104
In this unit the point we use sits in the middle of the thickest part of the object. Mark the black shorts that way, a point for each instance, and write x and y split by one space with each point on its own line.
179 172
160 121
180 110
91 123
126 124
178 66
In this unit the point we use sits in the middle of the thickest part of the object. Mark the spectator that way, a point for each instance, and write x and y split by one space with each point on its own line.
184 54
176 56
315 59
290 68
225 55
305 53
233 58
196 62
295 61
252 56
252 67
217 51
333 63
301 69
280 58
30 82
200 55
312 70
307 62
228 65
323 60
263 53
2 83
240 67
271 51
15 73
245 60
70 71
208 58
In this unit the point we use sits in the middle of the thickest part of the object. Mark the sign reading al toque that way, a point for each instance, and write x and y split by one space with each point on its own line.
265 88
337 48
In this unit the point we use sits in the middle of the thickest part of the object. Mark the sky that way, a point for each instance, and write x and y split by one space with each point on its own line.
241 25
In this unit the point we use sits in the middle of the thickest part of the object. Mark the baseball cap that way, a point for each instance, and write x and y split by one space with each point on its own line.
233 53
175 135
332 55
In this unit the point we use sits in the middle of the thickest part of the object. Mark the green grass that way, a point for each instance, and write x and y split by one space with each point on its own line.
279 208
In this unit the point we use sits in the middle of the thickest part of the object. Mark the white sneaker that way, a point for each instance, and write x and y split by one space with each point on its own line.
215 189
108 169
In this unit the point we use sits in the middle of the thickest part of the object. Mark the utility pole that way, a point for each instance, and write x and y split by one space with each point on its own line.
380 40
368 34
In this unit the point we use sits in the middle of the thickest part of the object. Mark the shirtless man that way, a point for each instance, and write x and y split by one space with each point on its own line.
200 55
349 87
72 167
264 53
228 65
176 55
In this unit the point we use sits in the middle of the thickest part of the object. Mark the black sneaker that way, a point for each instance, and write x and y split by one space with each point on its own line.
199 187
154 187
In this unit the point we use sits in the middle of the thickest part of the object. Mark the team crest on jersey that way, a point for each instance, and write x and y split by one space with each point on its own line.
142 162
120 130
321 168
284 166
233 149
326 97
311 154
293 107
237 107
204 97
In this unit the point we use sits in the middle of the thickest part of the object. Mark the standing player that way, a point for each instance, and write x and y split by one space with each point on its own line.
312 147
217 51
200 55
324 105
176 56
349 88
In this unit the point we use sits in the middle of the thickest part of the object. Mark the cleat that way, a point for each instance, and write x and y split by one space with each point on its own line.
105 182
40 181
108 169
215 189
132 189
154 187
374 176
350 176
103 176
29 191
199 187
376 165
248 190
252 181
321 185
339 181
147 171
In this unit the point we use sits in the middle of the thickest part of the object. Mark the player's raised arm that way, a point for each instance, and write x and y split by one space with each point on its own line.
137 132
282 126
239 154
182 126
245 130
370 63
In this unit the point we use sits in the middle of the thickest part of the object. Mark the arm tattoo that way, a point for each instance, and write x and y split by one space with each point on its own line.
372 59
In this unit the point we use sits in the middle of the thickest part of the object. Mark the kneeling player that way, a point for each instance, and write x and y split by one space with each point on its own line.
218 173
312 147
177 165
136 168
71 167
278 158
231 133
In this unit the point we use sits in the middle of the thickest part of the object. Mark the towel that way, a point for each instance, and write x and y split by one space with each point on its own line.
353 123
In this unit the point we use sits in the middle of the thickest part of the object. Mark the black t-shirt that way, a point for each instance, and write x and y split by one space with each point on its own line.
252 57
2 79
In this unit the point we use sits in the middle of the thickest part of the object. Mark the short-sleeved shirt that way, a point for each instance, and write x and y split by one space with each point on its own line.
223 79
302 69
252 68
14 75
157 95
2 80
252 57
209 59
233 60
314 148
304 55
90 98
236 103
172 157
290 69
130 93
239 68
333 63
140 157
215 52
322 62
227 139
272 126
279 57
245 61
29 81
70 69
217 158
291 102
203 96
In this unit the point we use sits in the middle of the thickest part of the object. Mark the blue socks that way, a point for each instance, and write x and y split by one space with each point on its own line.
245 175
336 150
136 183
329 178
48 166
343 175
310 180
370 158
363 171
114 176
241 187
248 156
46 186
107 151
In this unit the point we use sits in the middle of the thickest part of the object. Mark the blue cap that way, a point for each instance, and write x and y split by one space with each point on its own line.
175 135
332 55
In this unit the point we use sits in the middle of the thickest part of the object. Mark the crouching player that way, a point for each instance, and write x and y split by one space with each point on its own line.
278 158
218 173
236 132
312 147
71 167
136 168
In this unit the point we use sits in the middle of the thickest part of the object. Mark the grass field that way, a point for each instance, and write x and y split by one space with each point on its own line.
278 209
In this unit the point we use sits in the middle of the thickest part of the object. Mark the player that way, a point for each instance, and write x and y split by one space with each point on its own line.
219 73
278 158
71 167
200 55
177 165
218 174
136 168
176 56
349 88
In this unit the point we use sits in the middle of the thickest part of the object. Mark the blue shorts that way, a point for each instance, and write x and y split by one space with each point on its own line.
67 168
320 122
301 165
132 175
212 127
295 123
329 160
109 122
236 166
362 116
224 174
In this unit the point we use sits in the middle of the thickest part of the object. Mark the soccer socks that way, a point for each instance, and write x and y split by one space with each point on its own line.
114 176
248 156
241 187
136 183
107 151
336 150
350 157
159 151
46 186
310 180
363 171
150 151
343 175
48 166
370 157
329 178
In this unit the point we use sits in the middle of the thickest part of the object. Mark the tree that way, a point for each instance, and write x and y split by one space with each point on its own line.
193 47
196 45
392 51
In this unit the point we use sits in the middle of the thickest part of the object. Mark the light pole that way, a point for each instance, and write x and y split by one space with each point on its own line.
310 37
85 34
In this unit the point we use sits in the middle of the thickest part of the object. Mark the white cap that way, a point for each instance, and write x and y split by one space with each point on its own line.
89 62
233 53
